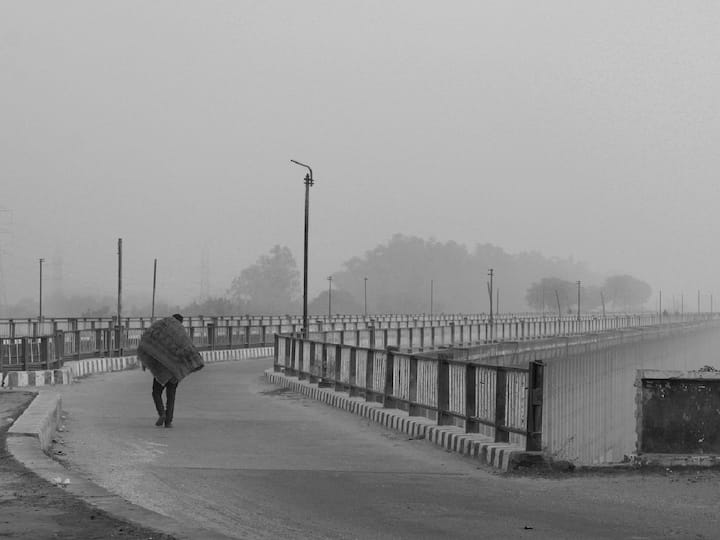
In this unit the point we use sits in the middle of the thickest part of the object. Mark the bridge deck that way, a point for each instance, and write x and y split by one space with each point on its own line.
252 461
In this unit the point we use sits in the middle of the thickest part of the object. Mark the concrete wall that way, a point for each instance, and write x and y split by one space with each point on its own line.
589 409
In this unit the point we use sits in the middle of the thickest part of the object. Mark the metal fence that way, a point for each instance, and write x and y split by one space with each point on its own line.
481 326
50 351
445 385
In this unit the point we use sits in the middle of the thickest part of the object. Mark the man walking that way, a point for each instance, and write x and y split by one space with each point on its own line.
167 351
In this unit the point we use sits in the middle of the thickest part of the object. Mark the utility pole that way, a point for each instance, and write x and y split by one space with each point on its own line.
41 280
365 296
660 305
152 314
557 298
497 300
602 299
119 298
431 298
491 272
308 182
329 297
578 285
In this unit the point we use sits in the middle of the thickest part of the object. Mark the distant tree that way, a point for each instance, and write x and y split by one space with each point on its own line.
271 285
590 298
213 306
103 311
543 295
626 292
342 302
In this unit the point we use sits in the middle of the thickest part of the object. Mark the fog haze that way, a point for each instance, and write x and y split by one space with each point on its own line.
575 129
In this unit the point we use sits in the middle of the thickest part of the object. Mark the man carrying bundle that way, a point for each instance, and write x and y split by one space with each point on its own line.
167 351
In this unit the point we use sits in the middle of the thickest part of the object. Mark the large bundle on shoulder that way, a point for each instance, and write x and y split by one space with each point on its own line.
167 351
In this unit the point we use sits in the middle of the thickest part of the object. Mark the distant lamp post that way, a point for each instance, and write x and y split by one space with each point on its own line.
432 283
152 313
308 182
578 285
365 296
329 297
41 280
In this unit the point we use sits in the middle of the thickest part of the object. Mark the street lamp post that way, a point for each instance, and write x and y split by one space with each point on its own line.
308 182
365 297
152 313
578 285
41 280
432 283
329 298
491 273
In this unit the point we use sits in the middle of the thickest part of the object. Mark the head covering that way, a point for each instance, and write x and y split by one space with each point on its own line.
178 317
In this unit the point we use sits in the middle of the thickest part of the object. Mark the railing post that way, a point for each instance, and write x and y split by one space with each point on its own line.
211 336
471 425
500 405
311 364
389 390
302 361
352 380
59 348
25 352
45 352
535 405
247 336
293 365
276 359
338 384
323 382
443 390
412 390
369 373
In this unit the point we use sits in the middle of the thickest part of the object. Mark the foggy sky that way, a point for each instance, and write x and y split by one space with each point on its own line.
569 128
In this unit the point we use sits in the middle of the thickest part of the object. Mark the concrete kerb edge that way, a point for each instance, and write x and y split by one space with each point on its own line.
74 369
500 456
41 419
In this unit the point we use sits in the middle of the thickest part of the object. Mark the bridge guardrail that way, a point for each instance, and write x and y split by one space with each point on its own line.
504 402
29 353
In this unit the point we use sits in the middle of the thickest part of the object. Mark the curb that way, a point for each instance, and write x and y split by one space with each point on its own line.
31 435
39 420
502 456
74 369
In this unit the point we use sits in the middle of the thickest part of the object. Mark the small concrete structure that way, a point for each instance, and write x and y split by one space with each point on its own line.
678 417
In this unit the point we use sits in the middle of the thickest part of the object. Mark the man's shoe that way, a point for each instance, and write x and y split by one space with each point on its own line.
168 424
160 421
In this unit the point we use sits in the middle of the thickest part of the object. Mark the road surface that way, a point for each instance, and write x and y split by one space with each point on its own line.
250 460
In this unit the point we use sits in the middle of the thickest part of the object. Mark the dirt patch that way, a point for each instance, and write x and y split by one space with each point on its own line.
31 507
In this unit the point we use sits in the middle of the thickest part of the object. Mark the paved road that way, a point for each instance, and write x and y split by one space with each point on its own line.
252 461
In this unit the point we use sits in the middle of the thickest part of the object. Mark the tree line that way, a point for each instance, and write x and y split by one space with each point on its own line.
399 276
